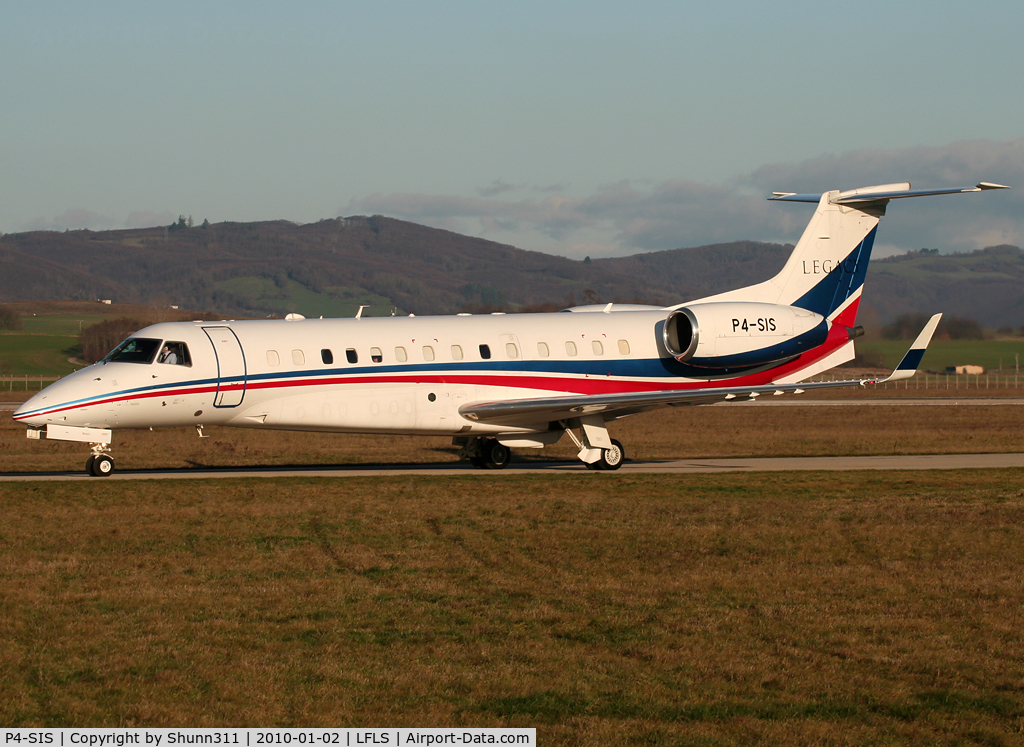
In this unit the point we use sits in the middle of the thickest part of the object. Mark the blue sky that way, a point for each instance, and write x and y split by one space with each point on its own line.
573 128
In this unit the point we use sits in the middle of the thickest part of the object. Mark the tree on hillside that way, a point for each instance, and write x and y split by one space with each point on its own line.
99 339
9 318
907 327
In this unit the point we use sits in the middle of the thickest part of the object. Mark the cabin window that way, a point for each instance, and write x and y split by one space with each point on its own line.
428 353
623 347
456 352
298 358
542 350
570 349
273 359
134 350
376 355
327 356
485 352
400 355
351 355
511 350
175 354
597 346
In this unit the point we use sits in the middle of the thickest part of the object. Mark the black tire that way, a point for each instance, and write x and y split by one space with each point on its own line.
496 454
88 465
102 466
611 459
478 462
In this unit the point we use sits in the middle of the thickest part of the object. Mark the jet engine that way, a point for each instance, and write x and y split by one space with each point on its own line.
733 334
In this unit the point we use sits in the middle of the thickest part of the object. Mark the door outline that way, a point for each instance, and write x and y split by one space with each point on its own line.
226 378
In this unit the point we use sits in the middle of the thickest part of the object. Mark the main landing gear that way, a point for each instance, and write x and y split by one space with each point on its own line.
610 459
488 453
596 449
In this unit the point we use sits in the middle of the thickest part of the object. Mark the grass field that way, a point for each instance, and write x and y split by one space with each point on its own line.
944 353
49 334
851 609
33 353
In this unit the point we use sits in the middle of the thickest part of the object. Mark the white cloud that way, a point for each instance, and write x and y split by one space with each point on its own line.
630 216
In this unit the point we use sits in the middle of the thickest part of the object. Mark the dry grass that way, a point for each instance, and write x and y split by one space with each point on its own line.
860 608
667 434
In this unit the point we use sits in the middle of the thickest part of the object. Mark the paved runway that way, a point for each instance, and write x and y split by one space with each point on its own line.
777 464
683 466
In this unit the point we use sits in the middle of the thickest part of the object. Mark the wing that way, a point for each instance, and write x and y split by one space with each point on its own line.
529 412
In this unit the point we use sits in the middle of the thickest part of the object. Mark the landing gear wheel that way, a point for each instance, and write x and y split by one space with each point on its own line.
478 462
611 459
496 454
102 466
88 465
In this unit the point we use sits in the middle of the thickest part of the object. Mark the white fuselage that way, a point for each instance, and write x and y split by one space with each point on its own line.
410 374
384 375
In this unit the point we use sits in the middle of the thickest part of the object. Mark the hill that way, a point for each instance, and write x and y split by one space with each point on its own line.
331 267
986 285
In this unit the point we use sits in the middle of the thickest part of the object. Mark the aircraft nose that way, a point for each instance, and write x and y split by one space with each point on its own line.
24 414
39 409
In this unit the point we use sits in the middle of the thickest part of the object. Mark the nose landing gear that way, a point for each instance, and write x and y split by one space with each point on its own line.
100 464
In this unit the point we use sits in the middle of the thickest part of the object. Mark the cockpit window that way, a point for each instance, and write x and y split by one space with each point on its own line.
174 353
134 350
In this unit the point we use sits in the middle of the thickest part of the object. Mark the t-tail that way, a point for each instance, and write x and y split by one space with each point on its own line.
825 273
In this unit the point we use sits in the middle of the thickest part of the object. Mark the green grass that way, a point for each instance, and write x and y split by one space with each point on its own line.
59 324
944 353
846 609
25 352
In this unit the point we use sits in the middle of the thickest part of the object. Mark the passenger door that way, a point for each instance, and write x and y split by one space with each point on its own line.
231 371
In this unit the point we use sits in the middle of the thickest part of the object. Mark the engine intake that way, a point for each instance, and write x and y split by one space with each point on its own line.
681 334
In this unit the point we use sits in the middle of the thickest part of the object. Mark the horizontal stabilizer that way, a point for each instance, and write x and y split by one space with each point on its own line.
882 193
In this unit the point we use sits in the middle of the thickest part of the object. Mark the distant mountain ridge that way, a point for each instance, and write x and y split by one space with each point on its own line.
332 266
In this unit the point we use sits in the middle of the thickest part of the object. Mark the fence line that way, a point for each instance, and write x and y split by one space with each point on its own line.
24 382
941 381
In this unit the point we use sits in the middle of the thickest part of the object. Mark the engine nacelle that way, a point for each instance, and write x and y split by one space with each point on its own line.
736 334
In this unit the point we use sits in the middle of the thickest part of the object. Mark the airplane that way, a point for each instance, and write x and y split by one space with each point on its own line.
496 382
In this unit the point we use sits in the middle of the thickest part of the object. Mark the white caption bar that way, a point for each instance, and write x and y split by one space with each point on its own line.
264 737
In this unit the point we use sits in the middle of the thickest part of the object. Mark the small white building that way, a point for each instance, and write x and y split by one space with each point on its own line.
970 370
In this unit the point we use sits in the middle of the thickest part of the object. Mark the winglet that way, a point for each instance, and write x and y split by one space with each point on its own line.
908 366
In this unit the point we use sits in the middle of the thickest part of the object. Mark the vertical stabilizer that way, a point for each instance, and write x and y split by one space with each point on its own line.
825 273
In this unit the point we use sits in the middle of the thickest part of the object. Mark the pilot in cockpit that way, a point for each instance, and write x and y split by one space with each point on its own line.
174 354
